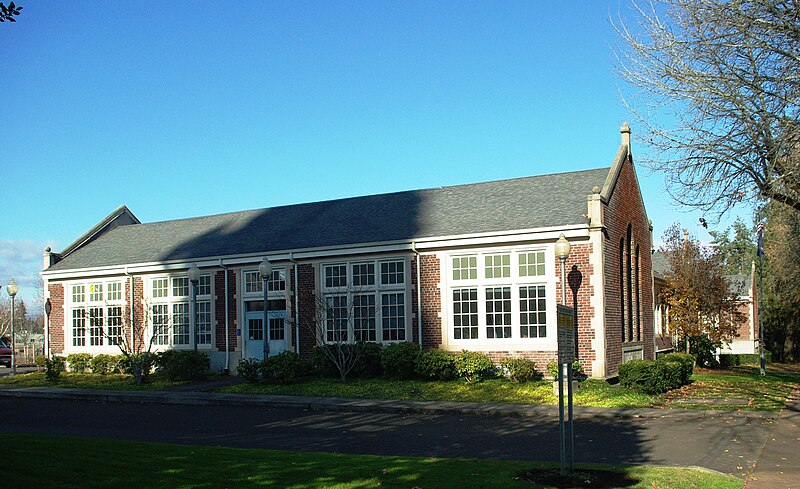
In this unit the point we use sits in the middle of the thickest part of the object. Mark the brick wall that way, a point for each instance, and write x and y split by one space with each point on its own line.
56 318
431 300
308 308
625 208
579 296
219 309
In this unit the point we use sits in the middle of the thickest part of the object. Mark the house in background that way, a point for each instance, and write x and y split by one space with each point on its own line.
464 267
741 286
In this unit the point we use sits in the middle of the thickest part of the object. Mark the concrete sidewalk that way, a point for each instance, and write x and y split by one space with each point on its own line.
199 394
778 463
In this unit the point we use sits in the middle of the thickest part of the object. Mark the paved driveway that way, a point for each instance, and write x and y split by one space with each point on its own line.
728 443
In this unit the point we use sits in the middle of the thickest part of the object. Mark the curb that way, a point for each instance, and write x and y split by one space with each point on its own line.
194 398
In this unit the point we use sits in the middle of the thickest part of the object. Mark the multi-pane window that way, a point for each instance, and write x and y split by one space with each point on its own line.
114 292
96 326
363 274
498 312
364 317
366 300
204 285
114 325
335 276
180 323
277 331
498 266
160 317
160 288
393 316
502 299
95 292
252 282
465 267
180 286
78 294
171 311
465 314
204 323
277 280
392 272
336 318
532 311
78 326
96 313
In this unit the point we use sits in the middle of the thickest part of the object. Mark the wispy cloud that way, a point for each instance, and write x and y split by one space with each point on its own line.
22 261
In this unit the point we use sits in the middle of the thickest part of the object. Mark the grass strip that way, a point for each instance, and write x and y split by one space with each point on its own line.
36 461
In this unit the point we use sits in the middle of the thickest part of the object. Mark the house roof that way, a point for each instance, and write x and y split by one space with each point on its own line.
504 205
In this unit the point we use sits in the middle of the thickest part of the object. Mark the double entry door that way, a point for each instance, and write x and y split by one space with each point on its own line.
254 334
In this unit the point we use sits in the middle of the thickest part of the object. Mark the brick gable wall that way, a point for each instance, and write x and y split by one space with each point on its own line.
624 208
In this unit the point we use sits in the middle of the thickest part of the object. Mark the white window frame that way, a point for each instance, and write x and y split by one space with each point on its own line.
171 306
379 290
95 300
483 282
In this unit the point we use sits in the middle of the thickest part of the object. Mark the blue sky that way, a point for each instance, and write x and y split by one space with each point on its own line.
185 109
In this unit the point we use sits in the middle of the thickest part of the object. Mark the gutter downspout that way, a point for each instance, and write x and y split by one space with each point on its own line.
296 304
227 370
419 296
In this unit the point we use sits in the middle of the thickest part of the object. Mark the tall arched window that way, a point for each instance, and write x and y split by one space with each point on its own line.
638 298
629 283
622 288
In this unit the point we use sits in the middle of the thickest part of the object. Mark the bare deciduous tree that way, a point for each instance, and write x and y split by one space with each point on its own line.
718 93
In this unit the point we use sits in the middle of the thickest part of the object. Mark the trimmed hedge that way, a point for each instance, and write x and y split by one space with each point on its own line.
177 365
733 359
282 368
399 360
78 362
651 376
103 364
367 365
686 362
436 364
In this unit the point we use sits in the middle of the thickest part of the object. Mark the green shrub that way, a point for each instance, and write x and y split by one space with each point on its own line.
282 368
436 364
103 364
140 365
685 360
399 360
521 369
650 376
704 351
78 362
249 369
474 366
180 365
733 359
40 361
53 368
368 364
552 369
321 363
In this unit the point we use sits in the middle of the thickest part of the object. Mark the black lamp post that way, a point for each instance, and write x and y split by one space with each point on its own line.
12 288
48 306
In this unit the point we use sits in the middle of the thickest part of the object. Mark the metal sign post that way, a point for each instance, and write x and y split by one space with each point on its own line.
566 355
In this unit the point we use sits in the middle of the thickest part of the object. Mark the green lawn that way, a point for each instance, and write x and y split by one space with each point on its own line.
32 460
737 388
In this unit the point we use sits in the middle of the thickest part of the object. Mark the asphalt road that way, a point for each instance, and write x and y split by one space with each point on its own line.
729 443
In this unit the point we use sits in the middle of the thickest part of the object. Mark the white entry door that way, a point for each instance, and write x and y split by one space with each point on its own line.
254 333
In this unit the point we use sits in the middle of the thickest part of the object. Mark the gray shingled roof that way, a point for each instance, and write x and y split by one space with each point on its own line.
504 205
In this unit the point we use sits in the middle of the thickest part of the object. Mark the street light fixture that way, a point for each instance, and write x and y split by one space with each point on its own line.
562 252
265 270
12 288
194 278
